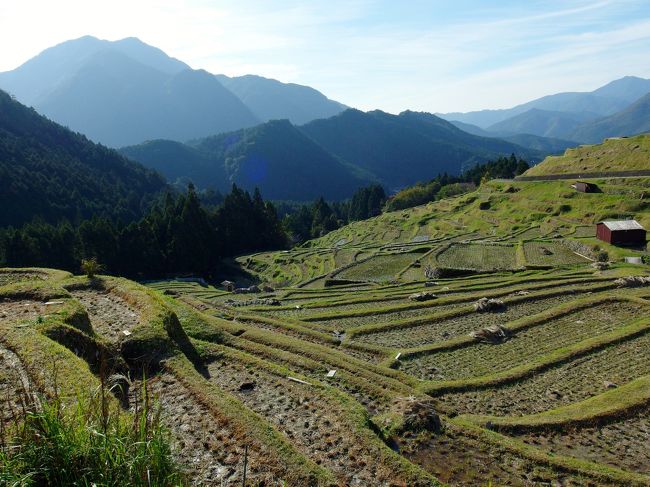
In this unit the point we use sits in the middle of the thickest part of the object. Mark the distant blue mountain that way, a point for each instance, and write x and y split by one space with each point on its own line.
125 92
270 99
606 100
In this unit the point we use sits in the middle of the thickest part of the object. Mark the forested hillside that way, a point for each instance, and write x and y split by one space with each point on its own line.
275 157
49 172
331 157
404 149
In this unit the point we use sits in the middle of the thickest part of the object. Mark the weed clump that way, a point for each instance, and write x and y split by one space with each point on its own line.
91 267
92 442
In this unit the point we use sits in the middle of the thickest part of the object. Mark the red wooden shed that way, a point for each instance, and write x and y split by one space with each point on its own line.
623 232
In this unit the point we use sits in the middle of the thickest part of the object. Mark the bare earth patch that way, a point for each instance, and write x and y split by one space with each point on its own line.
207 447
309 419
623 444
109 314
14 385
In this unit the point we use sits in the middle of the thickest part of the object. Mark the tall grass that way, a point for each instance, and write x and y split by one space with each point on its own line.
89 442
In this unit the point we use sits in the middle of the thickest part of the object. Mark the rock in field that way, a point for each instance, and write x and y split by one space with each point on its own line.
484 304
633 281
423 296
492 334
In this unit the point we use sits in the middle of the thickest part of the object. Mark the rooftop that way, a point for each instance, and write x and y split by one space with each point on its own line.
623 225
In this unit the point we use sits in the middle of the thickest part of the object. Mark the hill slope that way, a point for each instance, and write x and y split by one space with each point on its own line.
633 120
275 157
543 123
270 99
50 172
406 148
625 154
604 101
178 162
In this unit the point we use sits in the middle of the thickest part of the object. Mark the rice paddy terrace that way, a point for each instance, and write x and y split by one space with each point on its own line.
368 360
524 410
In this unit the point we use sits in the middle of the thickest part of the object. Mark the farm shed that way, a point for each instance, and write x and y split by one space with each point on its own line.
623 232
583 187
228 285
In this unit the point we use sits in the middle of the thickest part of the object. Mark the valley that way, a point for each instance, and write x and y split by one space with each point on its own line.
359 363
216 278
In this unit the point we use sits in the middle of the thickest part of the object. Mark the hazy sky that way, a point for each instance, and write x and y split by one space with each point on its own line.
433 55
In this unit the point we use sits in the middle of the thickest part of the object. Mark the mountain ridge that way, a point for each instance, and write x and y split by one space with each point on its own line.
395 150
74 84
603 101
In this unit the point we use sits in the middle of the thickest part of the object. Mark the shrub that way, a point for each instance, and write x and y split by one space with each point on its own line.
91 267
602 256
90 444
484 205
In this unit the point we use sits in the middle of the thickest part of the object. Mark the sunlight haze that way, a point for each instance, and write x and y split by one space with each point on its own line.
419 55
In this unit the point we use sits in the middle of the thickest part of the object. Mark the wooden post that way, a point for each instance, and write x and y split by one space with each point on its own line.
243 482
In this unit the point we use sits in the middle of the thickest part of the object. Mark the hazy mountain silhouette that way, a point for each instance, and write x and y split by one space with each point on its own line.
270 99
546 145
634 120
125 92
604 101
544 123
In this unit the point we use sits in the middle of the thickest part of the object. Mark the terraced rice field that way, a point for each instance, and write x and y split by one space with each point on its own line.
309 419
548 335
584 232
481 257
379 268
316 391
550 254
622 443
110 315
453 456
567 383
18 276
445 329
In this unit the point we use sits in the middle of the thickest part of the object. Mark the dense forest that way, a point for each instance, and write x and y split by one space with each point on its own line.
191 233
49 171
179 235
